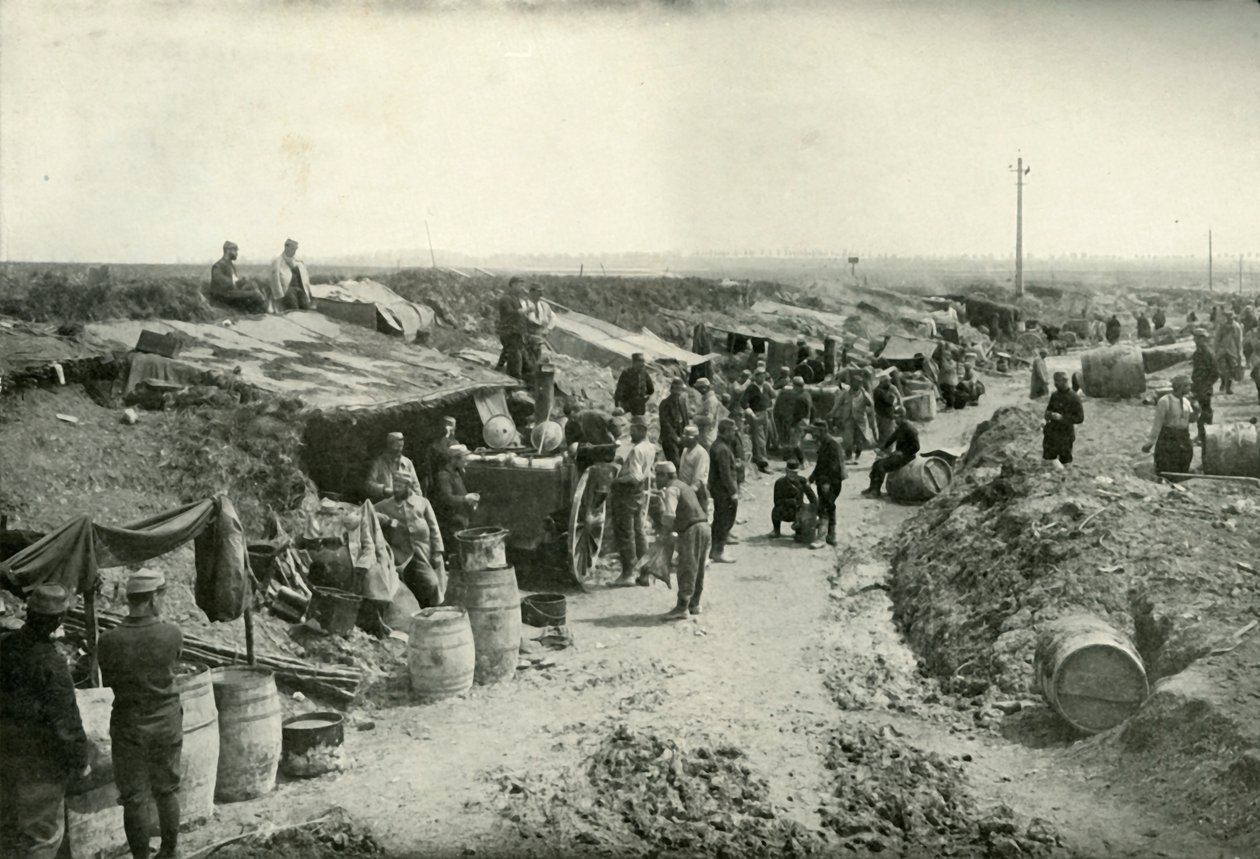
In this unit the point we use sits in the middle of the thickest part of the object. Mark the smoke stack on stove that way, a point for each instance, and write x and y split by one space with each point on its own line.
544 392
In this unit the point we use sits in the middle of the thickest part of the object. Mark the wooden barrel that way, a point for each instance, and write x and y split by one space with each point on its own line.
93 816
494 612
1113 371
920 399
199 760
441 654
249 732
1089 673
921 479
1232 449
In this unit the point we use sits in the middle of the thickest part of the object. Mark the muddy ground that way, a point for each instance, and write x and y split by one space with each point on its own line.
793 700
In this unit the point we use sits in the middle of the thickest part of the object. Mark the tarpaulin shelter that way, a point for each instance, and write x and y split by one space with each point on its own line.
373 305
30 355
581 336
72 555
900 349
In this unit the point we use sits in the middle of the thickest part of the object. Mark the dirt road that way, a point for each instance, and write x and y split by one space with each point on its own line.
793 644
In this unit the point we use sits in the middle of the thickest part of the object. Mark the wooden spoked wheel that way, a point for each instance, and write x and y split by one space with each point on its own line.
587 519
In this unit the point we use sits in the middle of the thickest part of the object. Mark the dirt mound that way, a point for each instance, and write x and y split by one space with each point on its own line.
891 796
1013 544
641 793
333 835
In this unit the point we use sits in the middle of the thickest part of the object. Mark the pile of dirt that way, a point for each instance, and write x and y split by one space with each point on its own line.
892 797
641 793
335 834
1013 544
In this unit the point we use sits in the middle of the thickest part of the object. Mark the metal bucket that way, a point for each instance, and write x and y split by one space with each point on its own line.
544 609
312 744
335 610
482 548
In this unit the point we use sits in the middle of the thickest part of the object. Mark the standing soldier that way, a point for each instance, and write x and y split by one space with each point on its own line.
755 404
626 502
686 525
709 413
674 417
539 317
723 489
146 729
634 387
511 328
1039 386
1063 413
1203 377
1228 350
42 744
693 467
829 474
1170 431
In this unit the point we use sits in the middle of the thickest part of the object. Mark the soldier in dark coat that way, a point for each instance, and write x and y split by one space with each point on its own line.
829 474
634 387
1203 376
42 743
790 493
674 417
1063 413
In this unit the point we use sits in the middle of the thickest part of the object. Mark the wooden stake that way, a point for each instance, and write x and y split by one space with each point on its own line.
249 637
92 635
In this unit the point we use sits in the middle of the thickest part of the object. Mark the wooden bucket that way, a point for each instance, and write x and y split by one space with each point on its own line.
93 816
1089 673
441 654
1115 372
313 744
494 612
921 479
806 524
249 732
1232 449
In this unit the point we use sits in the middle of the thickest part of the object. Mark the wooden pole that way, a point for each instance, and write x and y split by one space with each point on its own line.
1019 227
1209 260
249 637
91 635
432 257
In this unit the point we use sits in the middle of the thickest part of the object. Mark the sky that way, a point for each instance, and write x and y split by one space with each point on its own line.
153 131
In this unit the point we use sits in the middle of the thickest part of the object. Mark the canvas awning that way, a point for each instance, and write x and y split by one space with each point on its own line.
306 355
373 305
901 348
580 336
833 321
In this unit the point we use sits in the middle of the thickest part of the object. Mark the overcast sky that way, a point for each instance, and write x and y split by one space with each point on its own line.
147 132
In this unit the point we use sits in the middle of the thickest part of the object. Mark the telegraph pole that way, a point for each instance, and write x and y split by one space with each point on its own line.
432 258
1209 260
1019 226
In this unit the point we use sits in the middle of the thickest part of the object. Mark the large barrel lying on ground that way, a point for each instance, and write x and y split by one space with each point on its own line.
249 732
1113 371
441 655
93 816
1090 674
920 399
1232 449
921 479
199 759
494 611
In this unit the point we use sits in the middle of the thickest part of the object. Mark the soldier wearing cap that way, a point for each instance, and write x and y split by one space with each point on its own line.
42 743
790 492
227 288
1203 376
435 453
685 524
709 413
634 387
389 468
452 502
138 660
674 414
829 474
539 317
289 286
723 489
693 465
904 441
634 463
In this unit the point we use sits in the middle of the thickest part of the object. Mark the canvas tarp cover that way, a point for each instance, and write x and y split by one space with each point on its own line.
324 364
899 348
23 346
374 305
833 321
71 555
580 336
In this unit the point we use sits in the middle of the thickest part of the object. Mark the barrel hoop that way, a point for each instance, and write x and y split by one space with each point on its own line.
241 720
197 727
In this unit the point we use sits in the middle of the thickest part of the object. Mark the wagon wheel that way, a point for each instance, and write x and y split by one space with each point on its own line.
1031 340
586 524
